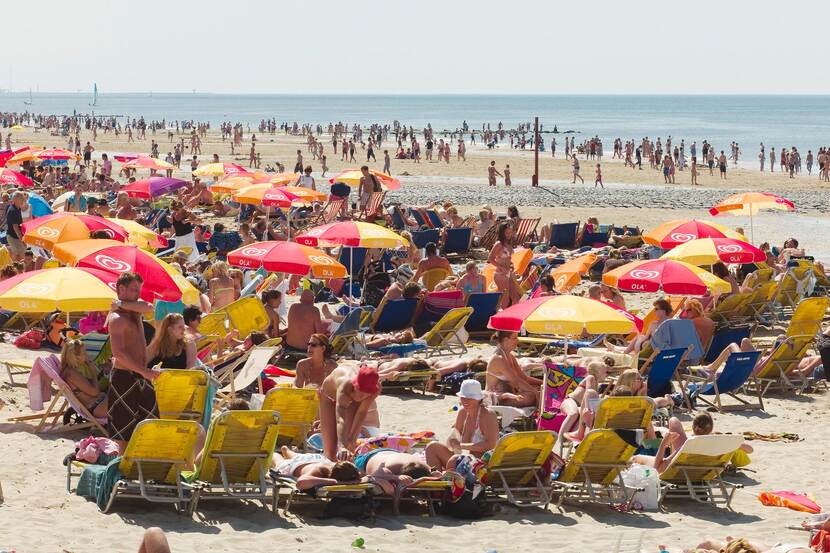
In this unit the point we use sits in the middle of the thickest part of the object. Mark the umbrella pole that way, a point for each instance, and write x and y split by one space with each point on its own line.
289 224
351 277
751 226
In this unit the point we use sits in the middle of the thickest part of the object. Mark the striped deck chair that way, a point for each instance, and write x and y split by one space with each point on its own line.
420 218
328 214
524 230
373 208
433 218
489 239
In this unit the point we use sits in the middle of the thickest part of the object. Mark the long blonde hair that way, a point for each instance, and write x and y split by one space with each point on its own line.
627 378
73 356
163 343
219 270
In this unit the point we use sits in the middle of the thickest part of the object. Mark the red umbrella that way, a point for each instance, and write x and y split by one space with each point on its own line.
13 178
673 277
55 153
287 257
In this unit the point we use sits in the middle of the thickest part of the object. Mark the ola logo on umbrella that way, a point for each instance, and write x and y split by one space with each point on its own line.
36 289
644 274
111 264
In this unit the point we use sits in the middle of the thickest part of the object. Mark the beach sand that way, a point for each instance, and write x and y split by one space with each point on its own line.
39 516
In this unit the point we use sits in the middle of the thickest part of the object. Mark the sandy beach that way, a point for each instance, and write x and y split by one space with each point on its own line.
38 515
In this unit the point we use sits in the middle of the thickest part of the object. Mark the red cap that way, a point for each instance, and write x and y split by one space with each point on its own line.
366 380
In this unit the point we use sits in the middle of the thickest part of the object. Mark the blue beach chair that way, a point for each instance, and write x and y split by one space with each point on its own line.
736 373
662 368
723 337
485 305
434 219
393 315
563 235
458 240
423 237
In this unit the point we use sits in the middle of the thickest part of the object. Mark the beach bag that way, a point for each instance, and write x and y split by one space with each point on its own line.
648 481
31 339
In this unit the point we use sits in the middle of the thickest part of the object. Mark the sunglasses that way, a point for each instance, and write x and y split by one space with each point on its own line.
314 344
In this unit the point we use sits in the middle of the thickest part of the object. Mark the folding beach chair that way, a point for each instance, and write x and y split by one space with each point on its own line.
597 239
151 467
514 470
678 333
661 368
730 308
398 219
258 357
17 367
776 372
297 408
51 420
446 336
237 457
420 218
373 207
247 315
759 302
420 238
489 238
484 306
182 394
594 470
353 259
808 316
724 336
328 214
563 235
736 372
695 471
392 315
524 230
348 333
795 284
431 277
433 218
457 240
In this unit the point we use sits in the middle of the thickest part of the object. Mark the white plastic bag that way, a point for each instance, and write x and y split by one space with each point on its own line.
641 476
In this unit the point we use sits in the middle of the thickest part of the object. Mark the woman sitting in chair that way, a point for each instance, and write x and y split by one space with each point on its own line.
169 347
312 370
506 379
81 375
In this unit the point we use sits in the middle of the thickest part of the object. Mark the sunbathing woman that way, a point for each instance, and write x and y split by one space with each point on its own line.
506 379
377 341
476 430
806 365
662 312
80 374
501 257
311 470
347 408
312 370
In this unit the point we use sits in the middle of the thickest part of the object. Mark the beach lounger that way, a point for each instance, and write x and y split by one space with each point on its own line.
392 315
795 284
237 457
398 219
563 235
258 357
457 240
420 218
44 370
524 229
322 493
298 410
484 306
594 470
348 333
724 336
776 372
151 467
328 214
182 394
759 303
661 369
808 316
17 367
431 277
247 315
678 333
736 372
513 472
596 239
695 471
420 238
429 491
730 308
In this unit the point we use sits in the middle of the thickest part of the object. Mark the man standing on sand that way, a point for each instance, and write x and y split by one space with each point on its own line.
387 165
491 173
14 222
762 157
722 165
553 147
694 173
131 397
576 170
772 160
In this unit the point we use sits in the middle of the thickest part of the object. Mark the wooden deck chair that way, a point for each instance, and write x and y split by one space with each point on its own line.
298 410
446 336
251 371
181 394
51 420
17 367
514 468
328 214
237 457
594 470
695 471
775 374
431 277
373 207
156 455
488 240
524 229
735 374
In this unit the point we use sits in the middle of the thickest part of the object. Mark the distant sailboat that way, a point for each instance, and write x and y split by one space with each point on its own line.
29 102
94 95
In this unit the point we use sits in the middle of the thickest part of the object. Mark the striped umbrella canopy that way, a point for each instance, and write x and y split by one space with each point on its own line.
287 257
352 234
708 251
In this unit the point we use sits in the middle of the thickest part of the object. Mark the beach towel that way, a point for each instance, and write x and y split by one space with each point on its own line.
559 382
90 448
39 383
678 333
791 500
97 481
402 443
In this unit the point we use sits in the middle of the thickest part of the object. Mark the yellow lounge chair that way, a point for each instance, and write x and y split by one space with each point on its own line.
322 493
298 410
594 471
446 336
428 491
431 277
157 453
775 374
514 468
695 470
808 316
181 394
237 457
245 315
759 302
793 286
17 367
619 413
732 307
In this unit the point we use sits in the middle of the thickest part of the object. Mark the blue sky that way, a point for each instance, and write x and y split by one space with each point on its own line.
418 46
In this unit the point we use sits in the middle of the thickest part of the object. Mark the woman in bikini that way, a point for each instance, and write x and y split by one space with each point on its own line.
170 347
347 408
506 379
472 281
476 429
312 370
222 289
501 257
80 375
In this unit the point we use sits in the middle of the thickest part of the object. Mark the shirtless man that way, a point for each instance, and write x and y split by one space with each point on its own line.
431 261
348 409
491 173
303 321
131 397
389 467
368 184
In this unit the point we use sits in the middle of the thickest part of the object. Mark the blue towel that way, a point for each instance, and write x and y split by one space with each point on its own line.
678 333
98 480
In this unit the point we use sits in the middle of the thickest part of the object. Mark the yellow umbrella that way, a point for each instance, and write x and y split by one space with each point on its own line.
564 315
219 170
67 289
708 251
140 235
230 185
17 127
307 194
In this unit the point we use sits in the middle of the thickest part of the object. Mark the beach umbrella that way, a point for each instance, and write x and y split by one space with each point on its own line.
67 289
144 162
39 205
283 179
13 178
153 187
564 315
287 257
353 176
17 127
55 154
57 203
673 277
5 155
218 170
353 234
46 231
708 251
750 203
124 158
27 153
306 194
266 195
229 185
671 234
116 257
140 235
570 273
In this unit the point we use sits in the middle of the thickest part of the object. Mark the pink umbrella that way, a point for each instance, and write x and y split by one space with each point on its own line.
13 178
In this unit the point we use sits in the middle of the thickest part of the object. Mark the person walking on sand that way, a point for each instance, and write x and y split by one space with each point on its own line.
507 180
694 173
722 165
387 164
598 177
491 173
576 170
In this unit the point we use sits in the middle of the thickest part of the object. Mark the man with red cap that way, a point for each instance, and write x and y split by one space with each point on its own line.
348 409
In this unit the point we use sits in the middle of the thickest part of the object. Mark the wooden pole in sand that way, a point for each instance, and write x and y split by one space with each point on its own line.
535 180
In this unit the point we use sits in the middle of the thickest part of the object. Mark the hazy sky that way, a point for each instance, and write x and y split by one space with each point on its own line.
418 46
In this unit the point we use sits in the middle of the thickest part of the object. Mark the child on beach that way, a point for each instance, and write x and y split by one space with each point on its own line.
507 180
598 178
